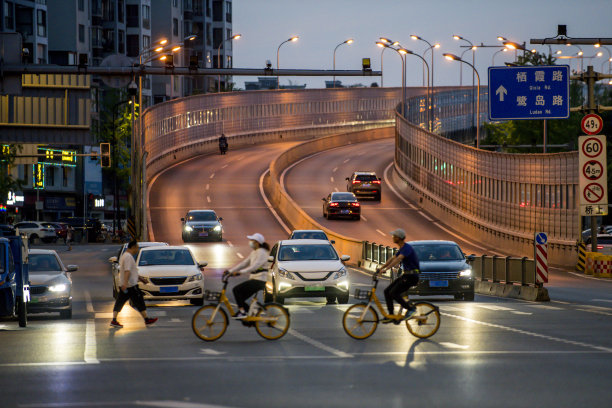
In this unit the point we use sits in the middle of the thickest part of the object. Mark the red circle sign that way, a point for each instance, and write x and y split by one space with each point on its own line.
591 124
592 147
593 192
592 170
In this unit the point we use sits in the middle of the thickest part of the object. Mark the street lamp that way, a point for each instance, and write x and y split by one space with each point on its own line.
453 57
429 119
495 53
401 52
349 41
219 65
117 218
431 47
292 39
473 48
382 45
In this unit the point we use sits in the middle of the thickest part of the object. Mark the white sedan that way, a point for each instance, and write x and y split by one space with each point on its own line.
170 272
307 268
114 261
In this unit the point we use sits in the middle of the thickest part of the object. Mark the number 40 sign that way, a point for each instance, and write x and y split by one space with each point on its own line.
592 166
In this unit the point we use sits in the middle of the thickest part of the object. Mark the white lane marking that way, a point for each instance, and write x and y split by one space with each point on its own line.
207 187
454 346
521 313
230 243
175 320
381 233
90 308
269 205
601 300
91 352
546 307
451 308
208 199
318 344
212 176
593 310
426 216
177 404
493 307
299 309
104 315
560 302
532 334
239 255
363 217
336 189
335 170
224 166
346 161
397 194
332 179
582 275
211 352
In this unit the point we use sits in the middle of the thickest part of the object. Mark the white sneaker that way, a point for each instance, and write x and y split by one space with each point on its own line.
240 315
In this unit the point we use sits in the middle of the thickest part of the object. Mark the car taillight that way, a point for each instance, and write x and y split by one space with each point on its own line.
355 204
376 182
600 247
356 181
333 204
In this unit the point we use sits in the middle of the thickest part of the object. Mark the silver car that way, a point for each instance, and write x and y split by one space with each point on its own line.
50 283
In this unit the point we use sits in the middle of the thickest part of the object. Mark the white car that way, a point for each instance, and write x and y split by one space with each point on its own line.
50 283
35 229
170 272
114 261
604 244
307 268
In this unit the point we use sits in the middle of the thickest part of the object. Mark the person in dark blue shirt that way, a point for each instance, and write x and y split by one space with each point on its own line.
410 265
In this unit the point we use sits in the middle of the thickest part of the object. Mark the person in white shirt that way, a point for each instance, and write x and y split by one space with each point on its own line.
128 278
255 266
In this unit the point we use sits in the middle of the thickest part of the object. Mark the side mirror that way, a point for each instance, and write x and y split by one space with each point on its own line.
220 218
379 179
112 259
345 258
182 219
202 264
72 268
270 259
332 241
347 178
324 199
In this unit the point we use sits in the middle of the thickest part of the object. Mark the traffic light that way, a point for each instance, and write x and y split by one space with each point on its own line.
105 155
365 65
169 60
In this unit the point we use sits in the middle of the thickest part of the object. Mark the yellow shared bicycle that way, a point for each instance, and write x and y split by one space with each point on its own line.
210 322
360 320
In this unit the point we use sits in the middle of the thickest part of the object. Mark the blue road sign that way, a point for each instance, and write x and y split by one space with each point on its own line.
530 92
541 238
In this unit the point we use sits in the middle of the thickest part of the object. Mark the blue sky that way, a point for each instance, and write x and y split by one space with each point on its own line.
321 25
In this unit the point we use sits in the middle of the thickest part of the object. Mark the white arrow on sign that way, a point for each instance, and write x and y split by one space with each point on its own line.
501 91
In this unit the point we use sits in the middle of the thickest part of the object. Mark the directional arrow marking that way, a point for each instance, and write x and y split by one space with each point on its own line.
501 91
211 352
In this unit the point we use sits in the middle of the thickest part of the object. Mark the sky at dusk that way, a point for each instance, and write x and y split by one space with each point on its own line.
322 25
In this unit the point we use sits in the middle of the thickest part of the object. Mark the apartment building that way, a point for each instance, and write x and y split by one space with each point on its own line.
29 18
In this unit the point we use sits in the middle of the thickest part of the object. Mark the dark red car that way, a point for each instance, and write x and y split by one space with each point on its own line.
341 205
60 228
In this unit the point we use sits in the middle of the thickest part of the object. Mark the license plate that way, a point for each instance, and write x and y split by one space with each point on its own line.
438 284
314 288
203 234
168 289
344 211
365 185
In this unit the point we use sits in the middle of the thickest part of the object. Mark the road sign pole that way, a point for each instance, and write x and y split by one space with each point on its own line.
592 108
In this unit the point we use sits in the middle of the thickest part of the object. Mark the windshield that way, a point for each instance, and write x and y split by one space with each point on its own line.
202 216
307 253
604 240
438 252
44 263
343 196
309 235
366 177
165 257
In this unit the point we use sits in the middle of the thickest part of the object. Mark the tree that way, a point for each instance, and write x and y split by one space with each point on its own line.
8 183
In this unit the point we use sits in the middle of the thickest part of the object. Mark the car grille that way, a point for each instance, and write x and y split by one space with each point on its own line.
37 290
438 275
312 280
168 281
202 228
179 293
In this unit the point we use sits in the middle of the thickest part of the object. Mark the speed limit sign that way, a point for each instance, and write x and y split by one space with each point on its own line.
593 180
591 124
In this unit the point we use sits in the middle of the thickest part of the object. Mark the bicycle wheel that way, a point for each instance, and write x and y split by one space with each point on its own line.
208 323
276 321
360 321
425 321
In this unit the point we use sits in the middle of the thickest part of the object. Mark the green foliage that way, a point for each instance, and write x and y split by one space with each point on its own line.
8 183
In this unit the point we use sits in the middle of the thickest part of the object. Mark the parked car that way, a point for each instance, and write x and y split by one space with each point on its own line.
364 184
36 230
444 270
202 225
604 243
114 261
310 234
50 283
6 230
307 268
61 229
341 205
171 272
93 226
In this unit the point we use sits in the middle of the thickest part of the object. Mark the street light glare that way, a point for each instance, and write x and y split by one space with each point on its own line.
403 51
437 45
191 37
175 49
457 37
415 37
500 38
474 48
163 58
159 49
293 39
385 40
237 36
451 57
597 45
163 42
349 41
381 44
510 45
599 54
559 52
580 53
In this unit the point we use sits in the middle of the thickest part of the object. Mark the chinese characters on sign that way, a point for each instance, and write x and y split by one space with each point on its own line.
593 178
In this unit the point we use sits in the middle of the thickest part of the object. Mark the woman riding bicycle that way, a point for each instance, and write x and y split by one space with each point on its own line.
410 262
255 266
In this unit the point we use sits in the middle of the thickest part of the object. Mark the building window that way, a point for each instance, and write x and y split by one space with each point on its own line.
81 5
208 10
146 17
41 57
121 45
175 27
9 20
217 10
41 23
217 37
50 176
132 45
228 34
208 34
146 42
65 176
81 33
120 11
132 15
175 3
228 12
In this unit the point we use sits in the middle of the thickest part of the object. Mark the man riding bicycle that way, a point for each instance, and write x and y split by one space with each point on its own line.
410 265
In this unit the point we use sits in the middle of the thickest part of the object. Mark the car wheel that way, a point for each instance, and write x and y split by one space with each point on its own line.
468 296
32 238
378 197
66 314
197 302
343 299
331 299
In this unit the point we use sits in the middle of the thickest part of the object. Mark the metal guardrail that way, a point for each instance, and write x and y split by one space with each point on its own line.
497 269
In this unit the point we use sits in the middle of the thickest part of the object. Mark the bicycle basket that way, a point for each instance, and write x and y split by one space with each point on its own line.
362 294
208 295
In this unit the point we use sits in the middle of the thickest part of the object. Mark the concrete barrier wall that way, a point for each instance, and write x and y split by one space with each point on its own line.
290 211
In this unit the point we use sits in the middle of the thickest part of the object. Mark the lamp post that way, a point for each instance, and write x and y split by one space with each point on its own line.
453 57
381 62
473 48
495 53
117 218
429 115
401 55
219 65
431 47
609 59
349 41
292 39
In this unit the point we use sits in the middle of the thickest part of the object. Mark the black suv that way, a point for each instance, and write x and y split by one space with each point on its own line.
364 184
202 224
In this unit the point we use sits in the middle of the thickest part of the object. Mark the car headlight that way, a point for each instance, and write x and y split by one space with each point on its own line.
58 288
466 272
194 278
217 228
188 228
285 274
340 273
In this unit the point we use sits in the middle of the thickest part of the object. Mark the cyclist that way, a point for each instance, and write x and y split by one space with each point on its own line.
255 266
410 265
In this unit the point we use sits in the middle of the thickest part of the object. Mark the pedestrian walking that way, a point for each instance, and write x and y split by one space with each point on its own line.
223 145
68 238
128 277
